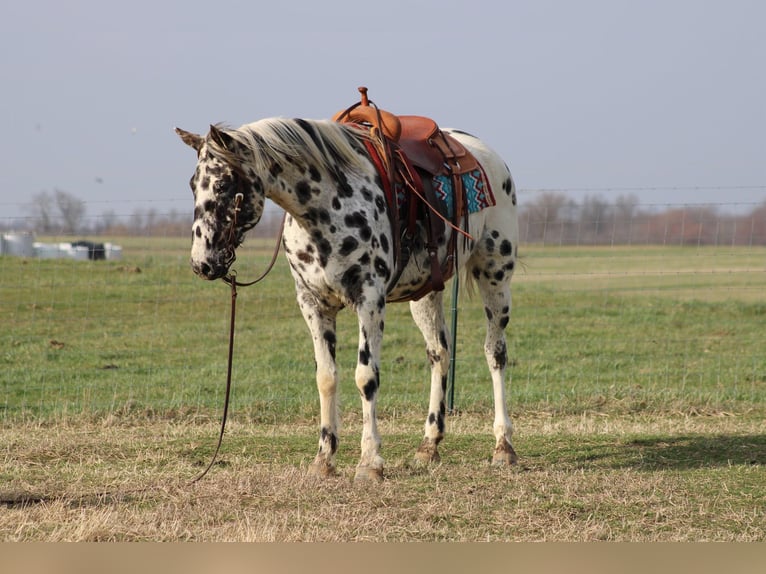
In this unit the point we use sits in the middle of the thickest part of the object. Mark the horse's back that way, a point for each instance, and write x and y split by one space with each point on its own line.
502 215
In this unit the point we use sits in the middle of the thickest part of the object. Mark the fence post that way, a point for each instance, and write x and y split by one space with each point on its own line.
453 346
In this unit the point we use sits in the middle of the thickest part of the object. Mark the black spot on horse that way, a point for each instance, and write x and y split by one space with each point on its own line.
328 435
257 184
443 339
305 257
275 169
358 220
314 174
323 247
317 215
348 246
344 188
438 420
364 355
352 282
506 248
303 191
330 339
500 355
371 388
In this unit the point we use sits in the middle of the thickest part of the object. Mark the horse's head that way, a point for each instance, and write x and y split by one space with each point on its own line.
227 202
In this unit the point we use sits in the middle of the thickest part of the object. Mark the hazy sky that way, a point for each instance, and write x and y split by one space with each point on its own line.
582 95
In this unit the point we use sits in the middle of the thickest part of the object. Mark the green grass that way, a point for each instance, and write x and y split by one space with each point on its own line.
611 330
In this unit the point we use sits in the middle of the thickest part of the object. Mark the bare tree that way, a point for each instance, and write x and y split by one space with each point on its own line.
595 213
72 210
546 216
41 211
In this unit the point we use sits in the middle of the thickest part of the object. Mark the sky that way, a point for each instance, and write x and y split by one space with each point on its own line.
664 99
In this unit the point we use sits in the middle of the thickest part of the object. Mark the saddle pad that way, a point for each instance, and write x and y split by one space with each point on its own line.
478 192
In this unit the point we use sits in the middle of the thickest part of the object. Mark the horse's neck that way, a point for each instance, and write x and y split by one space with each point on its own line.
295 191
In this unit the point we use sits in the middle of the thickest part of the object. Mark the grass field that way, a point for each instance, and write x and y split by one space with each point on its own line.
637 382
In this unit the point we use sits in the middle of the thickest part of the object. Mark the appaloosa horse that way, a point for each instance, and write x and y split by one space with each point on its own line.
339 243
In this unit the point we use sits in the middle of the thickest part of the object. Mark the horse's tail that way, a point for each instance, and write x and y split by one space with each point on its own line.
467 282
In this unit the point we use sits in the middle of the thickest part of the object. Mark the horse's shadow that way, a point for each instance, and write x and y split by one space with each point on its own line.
681 452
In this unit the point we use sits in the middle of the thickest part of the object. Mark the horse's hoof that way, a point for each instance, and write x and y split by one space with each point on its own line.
322 469
504 455
427 454
365 474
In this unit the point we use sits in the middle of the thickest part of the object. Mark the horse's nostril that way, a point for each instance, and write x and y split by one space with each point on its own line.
202 268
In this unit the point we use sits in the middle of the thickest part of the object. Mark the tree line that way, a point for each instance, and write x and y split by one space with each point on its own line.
544 218
554 218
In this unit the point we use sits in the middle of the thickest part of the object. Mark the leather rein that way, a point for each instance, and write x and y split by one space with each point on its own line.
231 280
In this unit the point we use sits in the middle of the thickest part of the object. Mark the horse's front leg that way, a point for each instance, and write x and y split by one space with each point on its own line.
371 316
428 314
321 323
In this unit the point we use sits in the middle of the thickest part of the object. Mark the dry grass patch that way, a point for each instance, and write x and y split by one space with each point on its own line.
580 478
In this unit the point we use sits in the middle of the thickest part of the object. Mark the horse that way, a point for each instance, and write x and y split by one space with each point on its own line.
339 244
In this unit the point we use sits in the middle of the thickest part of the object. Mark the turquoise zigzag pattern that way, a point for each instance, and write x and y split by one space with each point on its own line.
478 193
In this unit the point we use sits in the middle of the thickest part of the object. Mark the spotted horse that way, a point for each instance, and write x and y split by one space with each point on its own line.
342 249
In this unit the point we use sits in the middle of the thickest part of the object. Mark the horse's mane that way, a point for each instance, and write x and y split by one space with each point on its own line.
323 143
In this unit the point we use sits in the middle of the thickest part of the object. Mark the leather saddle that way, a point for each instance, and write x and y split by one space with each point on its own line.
411 151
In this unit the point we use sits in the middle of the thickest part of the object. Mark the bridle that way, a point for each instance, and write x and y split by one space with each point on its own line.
231 280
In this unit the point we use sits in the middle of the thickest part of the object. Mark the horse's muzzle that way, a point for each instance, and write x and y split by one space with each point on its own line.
208 271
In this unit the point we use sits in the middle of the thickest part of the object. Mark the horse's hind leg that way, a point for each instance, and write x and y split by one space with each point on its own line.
428 314
492 266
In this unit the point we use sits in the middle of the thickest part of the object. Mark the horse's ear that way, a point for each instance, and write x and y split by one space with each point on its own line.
190 139
221 138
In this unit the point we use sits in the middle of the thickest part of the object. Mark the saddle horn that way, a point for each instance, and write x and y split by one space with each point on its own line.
366 112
